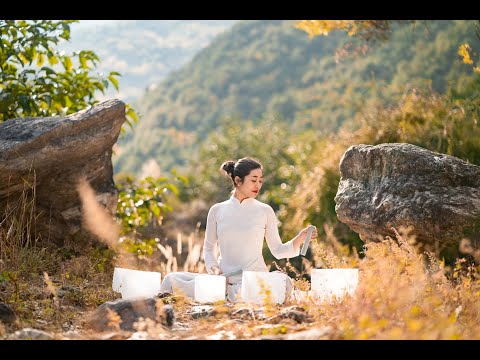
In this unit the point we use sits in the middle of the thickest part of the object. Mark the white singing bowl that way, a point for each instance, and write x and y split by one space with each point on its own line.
210 288
328 284
260 287
134 284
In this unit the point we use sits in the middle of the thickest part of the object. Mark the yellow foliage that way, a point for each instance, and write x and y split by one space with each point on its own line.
23 58
415 310
324 27
464 52
414 325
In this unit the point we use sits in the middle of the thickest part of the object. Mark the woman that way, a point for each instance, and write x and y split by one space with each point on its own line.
239 226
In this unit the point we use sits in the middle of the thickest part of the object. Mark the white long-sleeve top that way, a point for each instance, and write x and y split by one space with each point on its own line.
239 228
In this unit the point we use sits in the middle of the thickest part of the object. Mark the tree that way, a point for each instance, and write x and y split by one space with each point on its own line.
28 87
464 50
373 30
141 207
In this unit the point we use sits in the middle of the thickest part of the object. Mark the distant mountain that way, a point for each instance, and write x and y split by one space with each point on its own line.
262 66
143 51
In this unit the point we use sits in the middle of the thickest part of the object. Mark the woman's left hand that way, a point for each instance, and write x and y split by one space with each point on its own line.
303 233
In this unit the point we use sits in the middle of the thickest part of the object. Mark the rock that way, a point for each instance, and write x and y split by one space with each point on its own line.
201 311
243 314
293 308
167 315
296 313
393 185
31 334
7 315
53 153
124 313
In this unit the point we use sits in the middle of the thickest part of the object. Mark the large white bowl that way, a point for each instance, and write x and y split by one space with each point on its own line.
136 284
263 287
210 288
333 284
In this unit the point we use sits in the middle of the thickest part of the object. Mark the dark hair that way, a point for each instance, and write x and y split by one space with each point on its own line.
240 168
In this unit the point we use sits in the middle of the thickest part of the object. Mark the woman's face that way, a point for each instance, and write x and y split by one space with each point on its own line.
252 183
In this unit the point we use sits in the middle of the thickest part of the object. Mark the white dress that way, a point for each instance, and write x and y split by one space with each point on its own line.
238 229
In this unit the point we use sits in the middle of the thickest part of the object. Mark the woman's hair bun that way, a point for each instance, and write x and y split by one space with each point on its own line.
228 167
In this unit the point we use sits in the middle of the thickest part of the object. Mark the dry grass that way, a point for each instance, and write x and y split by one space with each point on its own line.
403 293
96 219
47 288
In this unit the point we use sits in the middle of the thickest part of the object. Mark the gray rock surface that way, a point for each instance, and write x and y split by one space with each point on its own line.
31 334
129 312
7 315
397 184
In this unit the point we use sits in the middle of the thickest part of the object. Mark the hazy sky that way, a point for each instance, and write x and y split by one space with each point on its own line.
92 23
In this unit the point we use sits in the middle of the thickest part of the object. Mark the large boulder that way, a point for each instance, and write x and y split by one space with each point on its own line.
393 185
45 157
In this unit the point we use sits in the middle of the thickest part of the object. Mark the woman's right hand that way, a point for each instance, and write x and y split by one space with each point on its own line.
216 270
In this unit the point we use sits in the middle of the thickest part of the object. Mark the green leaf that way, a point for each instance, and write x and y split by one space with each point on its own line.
83 60
13 31
24 102
23 58
173 188
105 84
68 102
27 71
99 85
114 81
130 113
67 63
48 99
52 60
156 210
40 59
65 34
183 179
48 70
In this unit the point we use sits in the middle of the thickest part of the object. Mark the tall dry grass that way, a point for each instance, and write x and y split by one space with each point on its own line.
47 287
402 293
20 255
183 254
